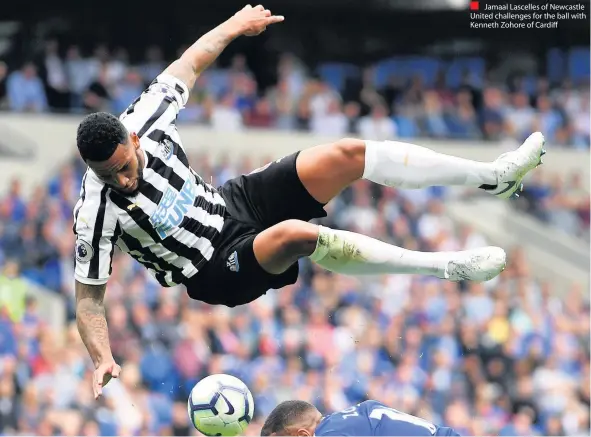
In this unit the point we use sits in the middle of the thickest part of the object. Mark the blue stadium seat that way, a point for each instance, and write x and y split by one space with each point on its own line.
158 371
406 127
107 426
476 68
161 406
52 275
426 68
578 64
407 67
335 73
186 386
555 64
33 275
530 84
387 68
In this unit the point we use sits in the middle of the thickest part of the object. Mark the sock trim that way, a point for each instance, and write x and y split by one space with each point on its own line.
370 158
322 245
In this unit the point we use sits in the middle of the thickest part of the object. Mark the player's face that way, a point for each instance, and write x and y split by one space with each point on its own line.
123 171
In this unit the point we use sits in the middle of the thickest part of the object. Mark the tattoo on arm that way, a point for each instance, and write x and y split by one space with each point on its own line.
91 321
214 42
201 54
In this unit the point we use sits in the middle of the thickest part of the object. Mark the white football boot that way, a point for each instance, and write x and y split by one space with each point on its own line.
511 167
479 265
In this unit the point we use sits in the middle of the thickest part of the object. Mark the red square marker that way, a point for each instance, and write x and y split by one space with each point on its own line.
474 6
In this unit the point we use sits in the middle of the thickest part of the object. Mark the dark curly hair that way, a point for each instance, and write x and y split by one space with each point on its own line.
98 136
285 415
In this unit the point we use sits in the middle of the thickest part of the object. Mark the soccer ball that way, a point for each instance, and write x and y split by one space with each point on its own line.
220 405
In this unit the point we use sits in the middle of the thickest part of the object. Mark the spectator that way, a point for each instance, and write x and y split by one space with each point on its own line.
491 116
9 410
117 67
55 77
194 111
197 107
521 115
321 98
549 121
412 98
291 70
352 111
303 115
98 97
368 96
392 92
153 65
463 121
12 291
80 76
521 424
542 90
284 105
433 117
25 90
332 123
127 91
261 115
14 201
100 59
245 90
377 126
582 124
225 116
239 67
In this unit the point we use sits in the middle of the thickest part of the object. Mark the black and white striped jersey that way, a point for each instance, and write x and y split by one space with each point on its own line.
172 223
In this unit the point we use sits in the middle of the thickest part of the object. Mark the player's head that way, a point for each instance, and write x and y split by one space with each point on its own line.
111 152
292 418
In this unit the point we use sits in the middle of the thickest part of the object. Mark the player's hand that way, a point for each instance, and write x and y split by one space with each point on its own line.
253 21
103 374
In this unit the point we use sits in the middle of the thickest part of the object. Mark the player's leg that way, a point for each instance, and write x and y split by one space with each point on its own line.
276 249
327 169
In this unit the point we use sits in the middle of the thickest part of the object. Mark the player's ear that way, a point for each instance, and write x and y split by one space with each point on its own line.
135 140
303 432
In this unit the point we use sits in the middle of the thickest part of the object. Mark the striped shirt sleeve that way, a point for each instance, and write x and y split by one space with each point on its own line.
95 228
157 107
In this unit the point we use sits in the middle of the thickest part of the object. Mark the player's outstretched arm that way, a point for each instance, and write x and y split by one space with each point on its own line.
249 21
92 326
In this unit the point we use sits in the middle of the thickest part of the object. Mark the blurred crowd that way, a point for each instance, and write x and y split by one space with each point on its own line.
563 204
64 79
508 357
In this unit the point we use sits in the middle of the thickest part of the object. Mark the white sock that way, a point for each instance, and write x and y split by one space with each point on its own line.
406 165
355 254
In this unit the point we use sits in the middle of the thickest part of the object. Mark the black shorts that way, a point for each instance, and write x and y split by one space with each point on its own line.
254 202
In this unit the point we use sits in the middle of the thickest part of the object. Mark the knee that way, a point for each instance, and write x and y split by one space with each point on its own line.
349 151
295 238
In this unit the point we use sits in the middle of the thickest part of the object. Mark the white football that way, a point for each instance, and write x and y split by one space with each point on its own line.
220 405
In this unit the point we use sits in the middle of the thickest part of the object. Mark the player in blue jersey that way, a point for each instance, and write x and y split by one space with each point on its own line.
369 418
